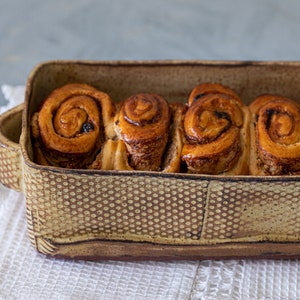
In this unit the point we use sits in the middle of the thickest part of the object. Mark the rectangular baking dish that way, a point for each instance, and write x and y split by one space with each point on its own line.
90 214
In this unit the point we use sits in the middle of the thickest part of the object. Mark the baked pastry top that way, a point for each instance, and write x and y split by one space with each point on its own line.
275 136
71 126
211 132
216 131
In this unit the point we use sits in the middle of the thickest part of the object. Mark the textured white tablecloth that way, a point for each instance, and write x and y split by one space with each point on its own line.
26 274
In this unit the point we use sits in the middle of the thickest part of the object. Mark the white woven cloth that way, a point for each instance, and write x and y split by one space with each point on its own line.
26 274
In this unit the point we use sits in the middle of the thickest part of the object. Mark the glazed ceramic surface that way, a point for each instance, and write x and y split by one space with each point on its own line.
137 215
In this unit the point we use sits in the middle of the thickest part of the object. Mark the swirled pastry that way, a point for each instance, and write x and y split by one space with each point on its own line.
216 132
275 136
72 125
143 127
203 89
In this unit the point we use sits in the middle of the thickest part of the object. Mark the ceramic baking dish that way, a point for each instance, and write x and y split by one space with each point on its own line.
90 214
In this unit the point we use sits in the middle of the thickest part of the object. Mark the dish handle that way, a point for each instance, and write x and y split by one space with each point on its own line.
10 150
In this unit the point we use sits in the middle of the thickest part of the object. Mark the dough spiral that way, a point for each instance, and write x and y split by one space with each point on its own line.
275 136
71 126
216 131
143 125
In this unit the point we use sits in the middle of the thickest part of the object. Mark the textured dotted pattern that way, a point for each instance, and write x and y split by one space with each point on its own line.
70 208
252 211
10 172
65 208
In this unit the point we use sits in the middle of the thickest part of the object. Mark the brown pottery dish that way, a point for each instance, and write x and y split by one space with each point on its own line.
108 214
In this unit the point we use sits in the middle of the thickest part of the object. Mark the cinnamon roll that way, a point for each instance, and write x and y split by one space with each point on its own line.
275 136
72 125
203 89
216 132
143 126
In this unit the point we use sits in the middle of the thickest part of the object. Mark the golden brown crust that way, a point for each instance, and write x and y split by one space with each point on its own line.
203 89
275 136
121 161
105 160
77 126
171 162
216 134
72 124
143 125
